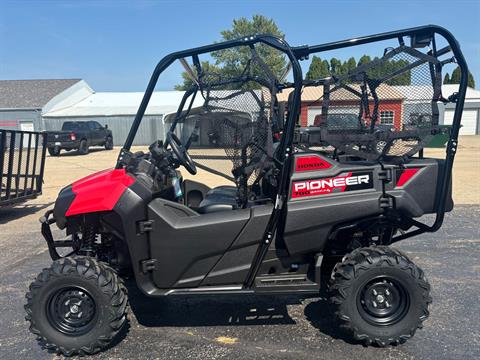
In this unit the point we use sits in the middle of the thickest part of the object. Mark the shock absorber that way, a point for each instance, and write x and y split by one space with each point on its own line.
88 238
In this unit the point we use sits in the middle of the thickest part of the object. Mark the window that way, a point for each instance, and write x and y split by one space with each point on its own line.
93 125
386 117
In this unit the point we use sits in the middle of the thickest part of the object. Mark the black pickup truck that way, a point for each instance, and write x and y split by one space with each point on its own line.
79 135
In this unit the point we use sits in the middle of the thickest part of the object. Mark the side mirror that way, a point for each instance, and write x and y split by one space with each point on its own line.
106 126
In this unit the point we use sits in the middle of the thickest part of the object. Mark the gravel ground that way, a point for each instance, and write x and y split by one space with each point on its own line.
260 327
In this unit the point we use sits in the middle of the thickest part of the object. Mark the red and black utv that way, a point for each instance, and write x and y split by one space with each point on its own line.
303 204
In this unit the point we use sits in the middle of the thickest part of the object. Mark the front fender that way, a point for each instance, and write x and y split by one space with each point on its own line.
97 192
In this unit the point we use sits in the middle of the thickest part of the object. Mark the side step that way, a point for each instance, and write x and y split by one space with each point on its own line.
295 283
208 290
291 283
310 288
299 284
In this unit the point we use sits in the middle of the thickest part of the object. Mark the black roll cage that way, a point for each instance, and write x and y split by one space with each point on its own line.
419 35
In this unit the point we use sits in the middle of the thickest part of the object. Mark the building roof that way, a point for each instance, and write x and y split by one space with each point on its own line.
385 92
425 92
28 94
161 103
471 95
315 93
123 103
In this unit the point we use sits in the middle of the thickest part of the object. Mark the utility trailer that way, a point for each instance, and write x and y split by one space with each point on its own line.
22 162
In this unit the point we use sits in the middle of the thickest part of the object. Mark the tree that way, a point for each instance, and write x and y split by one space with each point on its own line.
188 81
471 80
350 65
336 66
364 59
405 78
318 69
455 78
232 62
446 79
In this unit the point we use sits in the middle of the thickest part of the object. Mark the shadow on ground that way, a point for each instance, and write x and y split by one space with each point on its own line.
65 153
321 315
17 211
223 310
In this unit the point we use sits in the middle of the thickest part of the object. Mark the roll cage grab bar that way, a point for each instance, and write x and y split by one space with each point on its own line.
422 36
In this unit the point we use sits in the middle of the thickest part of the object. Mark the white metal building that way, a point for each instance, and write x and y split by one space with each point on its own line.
117 110
46 104
471 110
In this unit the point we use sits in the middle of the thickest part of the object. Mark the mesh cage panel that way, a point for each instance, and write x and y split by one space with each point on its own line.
239 124
234 125
383 108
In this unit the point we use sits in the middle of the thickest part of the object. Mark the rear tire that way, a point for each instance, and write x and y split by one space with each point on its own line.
83 149
109 143
380 296
77 306
54 151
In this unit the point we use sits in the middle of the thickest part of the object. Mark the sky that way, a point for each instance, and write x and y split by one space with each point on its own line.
114 45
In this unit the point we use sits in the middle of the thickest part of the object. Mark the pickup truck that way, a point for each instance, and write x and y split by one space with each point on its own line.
79 135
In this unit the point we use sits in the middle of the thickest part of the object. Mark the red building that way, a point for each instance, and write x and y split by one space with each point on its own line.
390 105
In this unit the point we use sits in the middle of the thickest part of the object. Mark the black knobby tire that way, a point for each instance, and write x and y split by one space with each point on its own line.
54 151
104 299
109 143
83 148
379 295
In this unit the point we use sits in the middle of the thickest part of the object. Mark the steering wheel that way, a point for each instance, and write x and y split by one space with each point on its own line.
181 153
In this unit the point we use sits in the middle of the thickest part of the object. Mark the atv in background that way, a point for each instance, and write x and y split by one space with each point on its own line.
295 216
79 135
339 123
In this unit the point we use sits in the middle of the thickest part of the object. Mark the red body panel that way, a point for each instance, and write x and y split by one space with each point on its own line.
406 176
311 163
99 191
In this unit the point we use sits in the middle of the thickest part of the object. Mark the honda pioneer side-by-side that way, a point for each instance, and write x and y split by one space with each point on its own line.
303 204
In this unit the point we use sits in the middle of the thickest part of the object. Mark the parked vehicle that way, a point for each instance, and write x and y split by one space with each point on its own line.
79 135
22 161
341 123
294 219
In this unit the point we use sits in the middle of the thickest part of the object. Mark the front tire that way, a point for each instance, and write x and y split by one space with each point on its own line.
77 306
109 143
380 296
83 148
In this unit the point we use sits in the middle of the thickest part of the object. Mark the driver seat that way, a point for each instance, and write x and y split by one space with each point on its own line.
220 198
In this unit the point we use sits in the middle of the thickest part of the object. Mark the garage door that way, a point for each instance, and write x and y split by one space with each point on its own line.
469 121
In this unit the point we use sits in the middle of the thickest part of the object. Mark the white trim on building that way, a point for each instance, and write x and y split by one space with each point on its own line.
415 94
